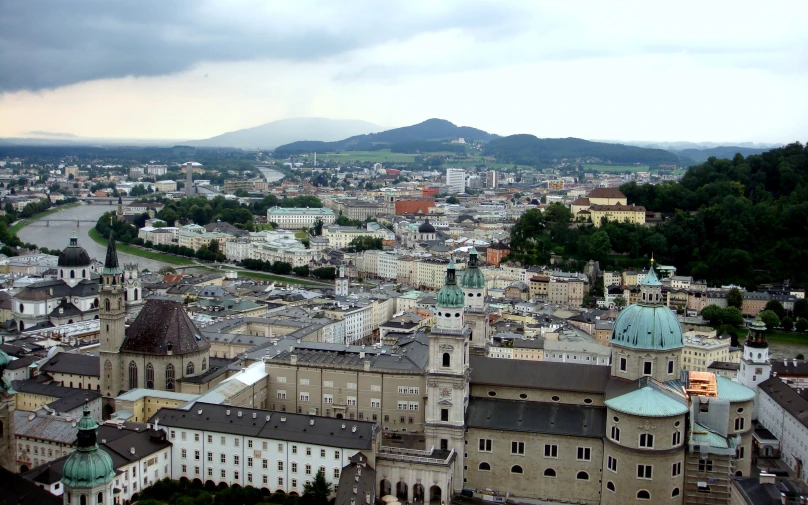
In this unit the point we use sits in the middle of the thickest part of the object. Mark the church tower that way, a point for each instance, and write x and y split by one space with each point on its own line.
120 208
88 473
341 283
756 366
133 295
473 285
448 374
112 314
8 458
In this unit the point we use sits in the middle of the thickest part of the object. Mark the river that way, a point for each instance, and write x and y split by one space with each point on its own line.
57 235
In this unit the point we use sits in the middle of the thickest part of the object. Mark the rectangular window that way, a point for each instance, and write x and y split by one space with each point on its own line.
264 464
196 437
485 445
517 447
308 451
280 447
196 470
222 458
375 387
676 438
196 455
249 462
183 435
249 444
611 463
375 403
550 451
210 439
670 367
705 465
282 380
414 405
623 364
352 401
304 382
294 449
352 385
280 466
308 469
444 414
184 468
224 441
646 368
402 390
676 469
336 473
644 471
328 384
336 454
647 440
328 398
402 405
210 472
739 422
173 434
281 395
183 452
236 441
294 482
249 477
280 481
304 397
264 479
294 467
584 454
322 453
415 390
210 457
615 434
223 474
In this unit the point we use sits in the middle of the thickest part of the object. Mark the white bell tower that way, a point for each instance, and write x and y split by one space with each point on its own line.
341 283
755 364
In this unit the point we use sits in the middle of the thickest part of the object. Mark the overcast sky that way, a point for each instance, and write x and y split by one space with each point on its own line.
183 69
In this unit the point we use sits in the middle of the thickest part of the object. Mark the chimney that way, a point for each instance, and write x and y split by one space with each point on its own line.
767 478
367 497
795 362
367 365
354 490
293 359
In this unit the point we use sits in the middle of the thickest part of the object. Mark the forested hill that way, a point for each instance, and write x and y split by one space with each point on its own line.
742 220
702 155
429 130
530 150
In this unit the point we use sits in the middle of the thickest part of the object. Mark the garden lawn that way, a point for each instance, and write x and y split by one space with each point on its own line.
143 253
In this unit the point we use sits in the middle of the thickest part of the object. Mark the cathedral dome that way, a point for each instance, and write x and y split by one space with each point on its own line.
74 255
648 325
450 295
472 278
88 465
426 227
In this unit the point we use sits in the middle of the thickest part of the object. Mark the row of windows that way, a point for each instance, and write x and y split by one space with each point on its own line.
548 472
250 480
646 440
250 444
169 374
642 494
647 366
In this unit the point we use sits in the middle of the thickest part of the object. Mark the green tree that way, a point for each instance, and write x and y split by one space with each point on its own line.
800 306
365 243
317 491
734 298
731 316
620 301
600 246
787 323
213 246
452 200
302 271
776 307
713 314
801 325
770 319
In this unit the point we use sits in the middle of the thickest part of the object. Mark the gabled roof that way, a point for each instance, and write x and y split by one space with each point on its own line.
606 193
539 374
163 324
78 364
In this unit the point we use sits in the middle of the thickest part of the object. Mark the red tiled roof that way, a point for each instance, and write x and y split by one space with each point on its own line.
581 201
606 193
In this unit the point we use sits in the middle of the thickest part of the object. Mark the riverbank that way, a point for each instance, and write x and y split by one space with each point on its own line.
22 223
136 251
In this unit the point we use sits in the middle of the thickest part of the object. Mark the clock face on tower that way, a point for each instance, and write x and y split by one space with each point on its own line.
445 393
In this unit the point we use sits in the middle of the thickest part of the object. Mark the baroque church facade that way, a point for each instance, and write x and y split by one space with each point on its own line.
72 295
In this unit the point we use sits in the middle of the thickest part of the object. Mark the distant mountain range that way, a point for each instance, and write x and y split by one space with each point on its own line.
271 135
531 150
407 139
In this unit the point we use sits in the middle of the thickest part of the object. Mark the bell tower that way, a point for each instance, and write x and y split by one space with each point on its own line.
474 291
341 283
756 366
112 313
448 374
8 459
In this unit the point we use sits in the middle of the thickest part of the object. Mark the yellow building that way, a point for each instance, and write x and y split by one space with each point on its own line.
619 213
142 403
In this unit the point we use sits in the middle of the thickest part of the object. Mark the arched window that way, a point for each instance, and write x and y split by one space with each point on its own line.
610 486
170 377
516 469
22 308
132 375
484 466
83 499
100 498
675 492
106 305
126 295
149 376
549 472
204 364
73 276
642 494
447 360
582 476
120 304
2 428
84 276
62 273
189 368
136 294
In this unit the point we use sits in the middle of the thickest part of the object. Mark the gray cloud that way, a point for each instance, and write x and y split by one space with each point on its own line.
48 44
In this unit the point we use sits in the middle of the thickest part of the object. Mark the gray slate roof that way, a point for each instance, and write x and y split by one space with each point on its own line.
539 374
160 324
536 417
77 364
279 426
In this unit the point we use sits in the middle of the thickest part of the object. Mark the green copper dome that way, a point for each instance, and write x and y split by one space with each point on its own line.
450 295
648 324
473 278
4 384
88 466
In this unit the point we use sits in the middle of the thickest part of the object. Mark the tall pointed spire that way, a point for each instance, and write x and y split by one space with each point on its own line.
111 266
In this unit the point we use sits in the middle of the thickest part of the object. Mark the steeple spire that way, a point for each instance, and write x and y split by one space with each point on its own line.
111 266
